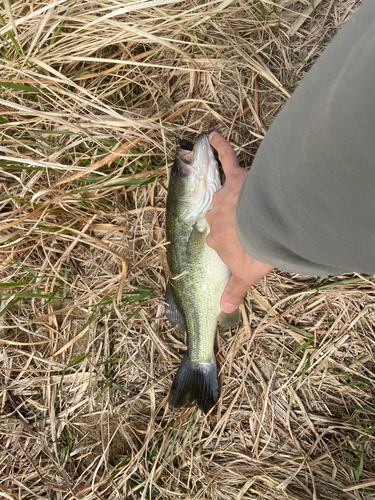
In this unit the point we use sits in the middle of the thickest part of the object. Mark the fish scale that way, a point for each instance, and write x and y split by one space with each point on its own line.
198 276
201 279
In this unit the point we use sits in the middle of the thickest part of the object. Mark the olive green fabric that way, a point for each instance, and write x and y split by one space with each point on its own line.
308 203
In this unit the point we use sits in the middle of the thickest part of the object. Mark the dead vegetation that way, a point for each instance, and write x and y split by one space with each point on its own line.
93 96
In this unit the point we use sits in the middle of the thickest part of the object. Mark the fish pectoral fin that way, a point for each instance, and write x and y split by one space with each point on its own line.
196 244
195 382
228 320
173 312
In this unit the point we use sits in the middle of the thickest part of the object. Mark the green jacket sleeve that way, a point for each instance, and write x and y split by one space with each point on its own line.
308 203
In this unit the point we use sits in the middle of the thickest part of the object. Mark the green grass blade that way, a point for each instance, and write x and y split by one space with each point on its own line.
298 330
313 7
8 306
18 86
349 281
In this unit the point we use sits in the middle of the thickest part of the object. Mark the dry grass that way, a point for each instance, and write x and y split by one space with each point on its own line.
92 98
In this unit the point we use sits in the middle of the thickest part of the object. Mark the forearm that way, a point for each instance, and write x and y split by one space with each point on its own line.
308 203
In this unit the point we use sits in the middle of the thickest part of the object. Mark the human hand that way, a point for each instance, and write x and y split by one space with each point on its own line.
222 237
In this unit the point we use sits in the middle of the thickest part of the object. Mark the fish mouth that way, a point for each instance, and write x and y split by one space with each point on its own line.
189 146
204 170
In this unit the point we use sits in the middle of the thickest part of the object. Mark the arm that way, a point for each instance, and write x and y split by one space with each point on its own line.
308 203
246 270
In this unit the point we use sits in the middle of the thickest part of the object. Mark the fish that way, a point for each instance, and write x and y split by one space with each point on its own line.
197 274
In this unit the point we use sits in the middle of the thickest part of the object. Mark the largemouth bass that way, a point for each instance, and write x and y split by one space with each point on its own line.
198 275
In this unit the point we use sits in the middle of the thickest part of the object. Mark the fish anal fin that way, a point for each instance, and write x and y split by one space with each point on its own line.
228 320
173 312
195 382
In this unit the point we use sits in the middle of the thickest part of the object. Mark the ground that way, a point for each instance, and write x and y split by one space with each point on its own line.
92 99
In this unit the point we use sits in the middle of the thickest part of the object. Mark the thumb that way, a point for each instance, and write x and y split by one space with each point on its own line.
233 294
226 153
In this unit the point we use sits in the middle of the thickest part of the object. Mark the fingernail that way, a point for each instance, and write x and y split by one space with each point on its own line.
228 307
211 135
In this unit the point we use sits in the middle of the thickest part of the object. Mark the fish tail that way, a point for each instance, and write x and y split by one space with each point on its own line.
195 382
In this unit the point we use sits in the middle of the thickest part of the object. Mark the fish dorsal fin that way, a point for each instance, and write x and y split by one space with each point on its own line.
173 312
228 320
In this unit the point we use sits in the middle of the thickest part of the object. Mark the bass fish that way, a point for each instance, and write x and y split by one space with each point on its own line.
198 276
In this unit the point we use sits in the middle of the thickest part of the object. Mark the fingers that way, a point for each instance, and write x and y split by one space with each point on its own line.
210 240
233 295
227 156
237 288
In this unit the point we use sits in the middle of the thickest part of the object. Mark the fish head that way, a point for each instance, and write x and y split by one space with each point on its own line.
194 179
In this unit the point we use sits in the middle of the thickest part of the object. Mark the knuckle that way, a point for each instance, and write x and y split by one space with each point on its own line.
234 294
226 152
241 280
